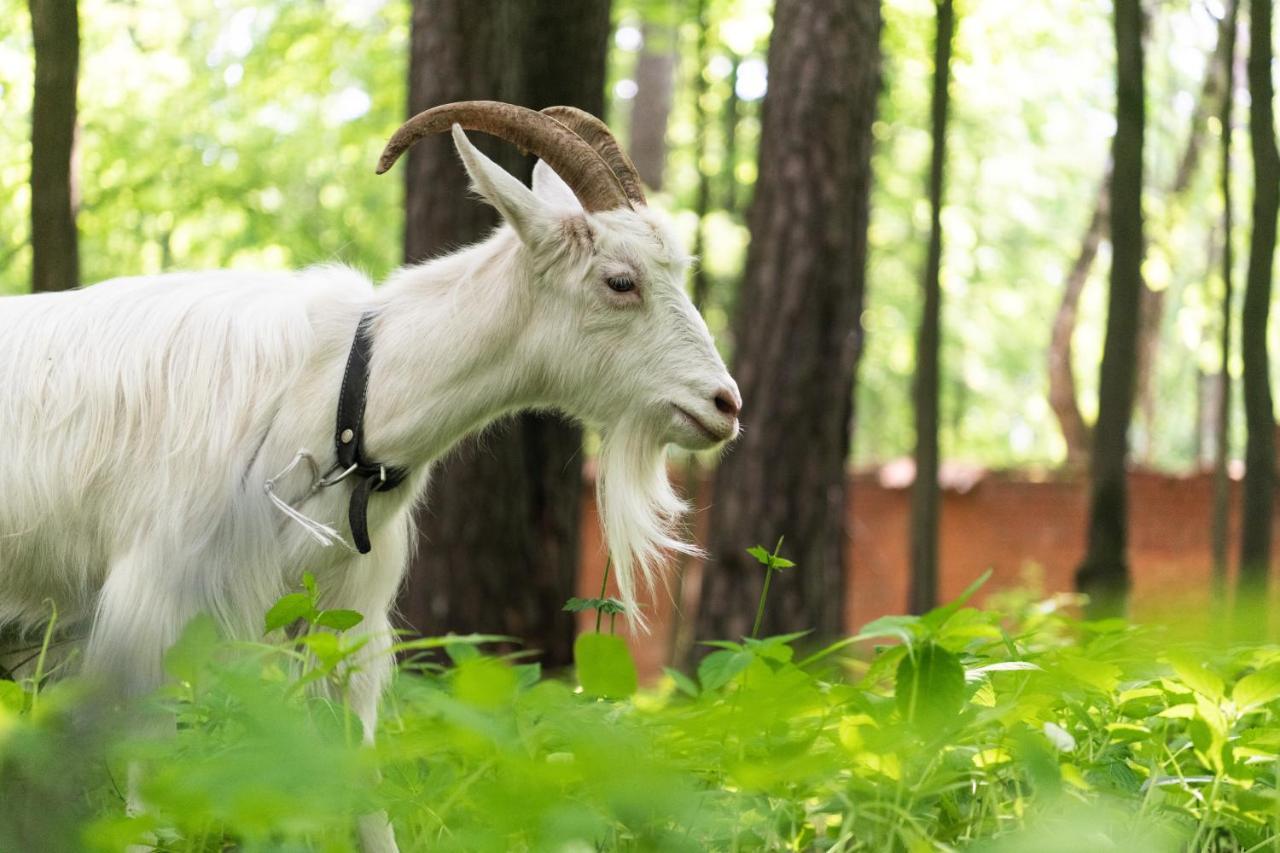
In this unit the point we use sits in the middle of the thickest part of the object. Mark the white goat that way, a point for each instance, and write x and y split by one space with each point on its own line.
144 416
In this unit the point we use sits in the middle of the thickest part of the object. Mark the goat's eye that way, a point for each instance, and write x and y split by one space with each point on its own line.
620 284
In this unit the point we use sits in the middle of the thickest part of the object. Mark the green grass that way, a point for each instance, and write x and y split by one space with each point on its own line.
1012 729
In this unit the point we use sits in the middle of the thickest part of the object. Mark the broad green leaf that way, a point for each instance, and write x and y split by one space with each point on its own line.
904 628
930 686
1100 675
485 682
761 555
338 620
1195 676
1257 689
719 668
604 664
289 609
12 696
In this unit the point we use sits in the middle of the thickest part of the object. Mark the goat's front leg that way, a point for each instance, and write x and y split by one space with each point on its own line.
369 585
139 615
374 668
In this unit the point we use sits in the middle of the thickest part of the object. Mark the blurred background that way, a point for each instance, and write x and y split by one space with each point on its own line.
931 237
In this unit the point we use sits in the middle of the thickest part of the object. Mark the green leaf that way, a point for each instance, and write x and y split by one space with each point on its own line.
930 686
604 664
904 628
485 682
577 605
781 563
423 644
683 683
194 649
12 696
1195 676
289 609
719 668
338 620
309 581
761 555
1257 689
938 617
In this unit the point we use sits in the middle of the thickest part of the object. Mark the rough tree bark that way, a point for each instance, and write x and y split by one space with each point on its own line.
1260 450
55 29
923 593
1104 573
796 329
500 535
1222 415
655 86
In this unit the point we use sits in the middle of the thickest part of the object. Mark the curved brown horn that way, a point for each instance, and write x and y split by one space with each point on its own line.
572 158
599 137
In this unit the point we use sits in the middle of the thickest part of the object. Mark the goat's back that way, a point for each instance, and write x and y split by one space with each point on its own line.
133 409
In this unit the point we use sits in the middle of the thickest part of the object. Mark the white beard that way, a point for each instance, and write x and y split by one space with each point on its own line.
640 511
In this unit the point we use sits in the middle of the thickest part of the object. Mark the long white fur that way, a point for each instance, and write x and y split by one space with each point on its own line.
142 417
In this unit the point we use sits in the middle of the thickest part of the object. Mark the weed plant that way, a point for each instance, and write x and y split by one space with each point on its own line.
1016 728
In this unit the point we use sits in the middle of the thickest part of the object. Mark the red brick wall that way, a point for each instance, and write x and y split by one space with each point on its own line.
1018 528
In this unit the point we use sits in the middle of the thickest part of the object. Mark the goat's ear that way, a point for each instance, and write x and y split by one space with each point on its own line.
552 191
513 200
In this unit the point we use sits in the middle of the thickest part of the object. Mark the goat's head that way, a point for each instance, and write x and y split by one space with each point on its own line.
626 349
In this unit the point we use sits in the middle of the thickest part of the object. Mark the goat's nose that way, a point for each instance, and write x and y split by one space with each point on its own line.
728 402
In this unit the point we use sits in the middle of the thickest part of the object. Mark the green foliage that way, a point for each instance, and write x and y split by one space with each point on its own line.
303 606
604 665
1001 731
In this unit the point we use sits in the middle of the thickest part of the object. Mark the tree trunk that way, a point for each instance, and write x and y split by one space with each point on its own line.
655 86
1222 419
1153 301
1260 451
924 491
500 533
55 30
1062 385
731 116
796 331
702 201
1062 379
1104 573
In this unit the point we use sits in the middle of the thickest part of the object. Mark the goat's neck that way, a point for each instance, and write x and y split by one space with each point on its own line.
450 351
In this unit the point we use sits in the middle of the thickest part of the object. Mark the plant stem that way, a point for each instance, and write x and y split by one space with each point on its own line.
764 594
604 587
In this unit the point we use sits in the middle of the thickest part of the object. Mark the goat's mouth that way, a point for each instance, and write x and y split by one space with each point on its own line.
712 436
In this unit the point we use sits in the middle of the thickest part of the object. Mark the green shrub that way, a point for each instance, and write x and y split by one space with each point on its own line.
1012 730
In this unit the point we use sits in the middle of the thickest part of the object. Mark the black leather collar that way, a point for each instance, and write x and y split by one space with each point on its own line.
369 476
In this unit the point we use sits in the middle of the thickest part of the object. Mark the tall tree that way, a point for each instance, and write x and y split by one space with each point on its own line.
651 107
500 533
1104 573
55 30
1260 450
924 491
797 334
1062 384
701 120
1222 428
1062 379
